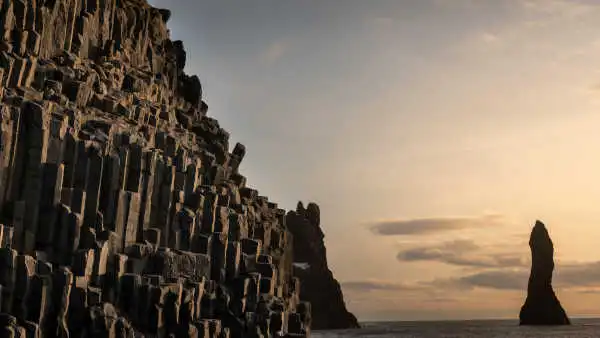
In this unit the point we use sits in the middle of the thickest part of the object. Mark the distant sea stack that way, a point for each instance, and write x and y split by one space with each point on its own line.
318 286
541 306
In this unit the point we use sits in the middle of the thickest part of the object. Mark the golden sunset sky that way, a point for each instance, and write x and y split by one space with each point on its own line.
432 133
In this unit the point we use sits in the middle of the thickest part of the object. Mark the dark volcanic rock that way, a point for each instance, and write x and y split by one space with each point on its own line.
318 286
122 211
541 306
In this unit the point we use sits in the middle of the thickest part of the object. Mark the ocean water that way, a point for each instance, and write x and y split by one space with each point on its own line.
467 329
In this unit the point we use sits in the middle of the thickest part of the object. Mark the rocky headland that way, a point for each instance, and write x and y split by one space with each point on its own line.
542 307
123 210
318 286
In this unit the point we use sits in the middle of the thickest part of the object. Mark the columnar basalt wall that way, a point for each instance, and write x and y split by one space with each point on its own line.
123 212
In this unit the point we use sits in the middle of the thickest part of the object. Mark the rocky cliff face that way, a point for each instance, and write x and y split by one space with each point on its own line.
318 286
541 306
123 210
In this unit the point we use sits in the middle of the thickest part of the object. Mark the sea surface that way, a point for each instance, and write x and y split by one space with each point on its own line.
467 329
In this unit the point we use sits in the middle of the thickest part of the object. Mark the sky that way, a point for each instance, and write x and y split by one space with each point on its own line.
432 134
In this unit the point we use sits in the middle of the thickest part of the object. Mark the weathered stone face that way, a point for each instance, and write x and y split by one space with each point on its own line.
121 209
541 305
315 283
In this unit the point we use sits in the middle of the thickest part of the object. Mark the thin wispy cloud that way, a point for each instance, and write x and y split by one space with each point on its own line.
275 51
425 226
379 285
465 253
489 38
508 279
577 275
529 23
570 9
566 276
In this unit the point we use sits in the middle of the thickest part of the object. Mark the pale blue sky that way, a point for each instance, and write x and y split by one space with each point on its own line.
435 112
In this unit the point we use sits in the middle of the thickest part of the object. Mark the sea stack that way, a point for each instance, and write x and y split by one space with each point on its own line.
318 286
541 306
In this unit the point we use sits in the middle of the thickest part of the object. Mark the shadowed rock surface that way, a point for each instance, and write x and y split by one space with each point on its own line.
123 212
541 305
318 286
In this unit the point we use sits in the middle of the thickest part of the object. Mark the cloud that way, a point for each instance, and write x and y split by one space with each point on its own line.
584 276
464 253
501 280
532 25
577 275
569 9
274 52
379 285
431 225
489 38
586 291
506 279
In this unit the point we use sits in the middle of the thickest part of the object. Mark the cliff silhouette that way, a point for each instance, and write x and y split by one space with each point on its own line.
318 286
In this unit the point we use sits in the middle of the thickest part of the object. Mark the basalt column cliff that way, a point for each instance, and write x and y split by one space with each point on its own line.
123 212
541 306
318 286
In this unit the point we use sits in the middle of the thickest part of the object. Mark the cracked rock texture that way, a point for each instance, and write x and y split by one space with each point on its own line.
541 305
318 286
123 212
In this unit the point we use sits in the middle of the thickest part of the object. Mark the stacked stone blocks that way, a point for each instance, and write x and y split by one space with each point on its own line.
122 211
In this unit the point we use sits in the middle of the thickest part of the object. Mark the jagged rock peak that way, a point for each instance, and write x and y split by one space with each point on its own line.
312 213
166 14
542 307
300 208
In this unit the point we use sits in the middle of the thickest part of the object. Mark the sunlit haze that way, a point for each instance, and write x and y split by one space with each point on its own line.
432 134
